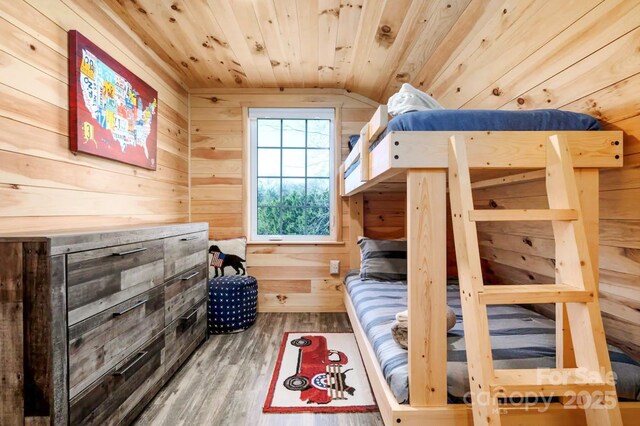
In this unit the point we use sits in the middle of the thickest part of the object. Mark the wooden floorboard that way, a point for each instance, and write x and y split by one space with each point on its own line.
225 382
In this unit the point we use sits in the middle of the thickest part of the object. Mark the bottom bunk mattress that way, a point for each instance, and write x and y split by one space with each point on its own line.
520 338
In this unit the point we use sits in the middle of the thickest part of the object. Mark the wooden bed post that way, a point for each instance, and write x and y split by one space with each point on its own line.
588 183
356 228
426 268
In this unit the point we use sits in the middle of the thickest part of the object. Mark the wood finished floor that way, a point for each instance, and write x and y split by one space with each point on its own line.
226 380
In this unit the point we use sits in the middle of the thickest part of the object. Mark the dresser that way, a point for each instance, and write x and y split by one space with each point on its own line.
94 323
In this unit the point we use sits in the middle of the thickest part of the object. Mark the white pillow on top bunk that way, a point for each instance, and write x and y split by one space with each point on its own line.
409 99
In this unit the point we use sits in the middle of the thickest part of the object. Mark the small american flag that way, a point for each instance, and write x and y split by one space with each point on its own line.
217 259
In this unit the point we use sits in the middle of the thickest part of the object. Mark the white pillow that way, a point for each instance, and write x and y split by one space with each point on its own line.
408 99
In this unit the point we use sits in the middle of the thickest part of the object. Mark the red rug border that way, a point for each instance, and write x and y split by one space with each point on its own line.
267 408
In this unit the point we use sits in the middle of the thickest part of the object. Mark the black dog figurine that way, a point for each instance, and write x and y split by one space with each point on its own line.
227 260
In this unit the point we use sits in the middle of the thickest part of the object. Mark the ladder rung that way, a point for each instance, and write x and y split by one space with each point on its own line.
547 381
533 293
522 215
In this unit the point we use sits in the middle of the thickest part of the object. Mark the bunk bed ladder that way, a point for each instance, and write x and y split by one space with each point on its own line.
575 287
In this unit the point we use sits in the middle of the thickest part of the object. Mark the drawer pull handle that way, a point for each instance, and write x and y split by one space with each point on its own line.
188 317
189 320
191 238
140 303
191 275
124 253
134 362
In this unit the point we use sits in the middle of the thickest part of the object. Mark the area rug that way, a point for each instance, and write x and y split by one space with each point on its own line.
319 373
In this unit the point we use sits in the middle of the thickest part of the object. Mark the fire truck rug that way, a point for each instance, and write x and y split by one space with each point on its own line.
321 373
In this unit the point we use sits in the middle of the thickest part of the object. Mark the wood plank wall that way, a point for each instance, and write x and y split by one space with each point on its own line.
292 278
42 184
385 218
579 55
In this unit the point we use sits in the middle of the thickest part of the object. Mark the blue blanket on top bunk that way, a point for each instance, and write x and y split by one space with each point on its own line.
520 338
478 120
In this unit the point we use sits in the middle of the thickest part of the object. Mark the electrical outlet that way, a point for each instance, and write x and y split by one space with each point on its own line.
334 267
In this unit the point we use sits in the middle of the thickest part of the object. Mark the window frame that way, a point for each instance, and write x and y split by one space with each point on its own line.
302 113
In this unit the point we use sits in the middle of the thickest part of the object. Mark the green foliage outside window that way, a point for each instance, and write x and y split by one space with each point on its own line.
293 213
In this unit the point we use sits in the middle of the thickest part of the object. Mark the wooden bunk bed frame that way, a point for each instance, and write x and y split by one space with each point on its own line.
417 162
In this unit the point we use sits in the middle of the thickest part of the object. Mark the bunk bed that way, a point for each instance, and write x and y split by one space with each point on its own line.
399 158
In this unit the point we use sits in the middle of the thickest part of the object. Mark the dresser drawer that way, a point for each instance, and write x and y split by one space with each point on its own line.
100 279
113 396
183 335
184 291
101 342
184 252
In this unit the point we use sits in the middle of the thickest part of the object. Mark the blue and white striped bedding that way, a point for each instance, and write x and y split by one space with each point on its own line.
520 338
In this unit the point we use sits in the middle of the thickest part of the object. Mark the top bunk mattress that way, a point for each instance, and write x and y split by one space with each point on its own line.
479 120
486 120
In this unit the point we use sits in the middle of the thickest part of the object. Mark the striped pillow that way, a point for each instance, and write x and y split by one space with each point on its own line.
384 260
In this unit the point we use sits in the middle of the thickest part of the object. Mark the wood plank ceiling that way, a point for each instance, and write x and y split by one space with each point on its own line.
366 46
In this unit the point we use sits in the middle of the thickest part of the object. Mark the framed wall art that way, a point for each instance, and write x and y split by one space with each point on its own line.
112 113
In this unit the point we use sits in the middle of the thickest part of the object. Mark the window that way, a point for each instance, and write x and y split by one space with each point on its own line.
292 174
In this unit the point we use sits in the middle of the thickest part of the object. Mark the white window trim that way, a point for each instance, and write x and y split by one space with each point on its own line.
284 113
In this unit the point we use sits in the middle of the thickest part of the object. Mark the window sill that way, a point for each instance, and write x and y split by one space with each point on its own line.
295 243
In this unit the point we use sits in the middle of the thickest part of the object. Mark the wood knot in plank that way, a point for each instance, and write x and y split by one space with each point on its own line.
385 36
176 7
281 298
333 12
220 43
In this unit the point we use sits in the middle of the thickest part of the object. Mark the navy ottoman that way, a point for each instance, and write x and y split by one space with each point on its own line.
233 303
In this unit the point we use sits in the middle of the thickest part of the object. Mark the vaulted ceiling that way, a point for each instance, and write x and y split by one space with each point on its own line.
367 46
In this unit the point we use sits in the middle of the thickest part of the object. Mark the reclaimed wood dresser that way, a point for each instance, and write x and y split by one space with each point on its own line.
93 324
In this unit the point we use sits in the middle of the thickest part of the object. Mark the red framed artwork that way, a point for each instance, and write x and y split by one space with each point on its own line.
112 113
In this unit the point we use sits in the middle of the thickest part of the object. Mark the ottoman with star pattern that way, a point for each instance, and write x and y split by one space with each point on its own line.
233 303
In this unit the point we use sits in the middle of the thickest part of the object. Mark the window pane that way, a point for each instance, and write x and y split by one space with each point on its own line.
317 220
293 133
318 162
293 162
319 133
268 132
268 192
293 192
293 221
318 192
268 162
268 221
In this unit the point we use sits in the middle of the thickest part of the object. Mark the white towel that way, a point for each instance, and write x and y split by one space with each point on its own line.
408 99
